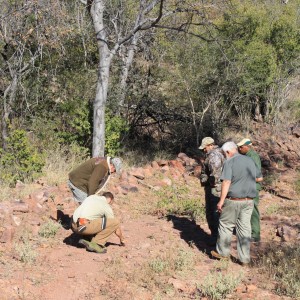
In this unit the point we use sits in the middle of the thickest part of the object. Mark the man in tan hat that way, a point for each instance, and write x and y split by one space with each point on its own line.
210 179
245 147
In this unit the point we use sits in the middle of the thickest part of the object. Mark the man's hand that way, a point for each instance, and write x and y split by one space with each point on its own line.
122 242
219 206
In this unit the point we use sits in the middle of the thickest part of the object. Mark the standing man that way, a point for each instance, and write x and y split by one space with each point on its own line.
244 147
210 179
239 177
91 176
95 217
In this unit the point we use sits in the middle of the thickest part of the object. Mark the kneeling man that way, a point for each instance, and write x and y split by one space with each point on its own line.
95 217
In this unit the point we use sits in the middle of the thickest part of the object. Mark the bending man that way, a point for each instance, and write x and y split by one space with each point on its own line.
91 176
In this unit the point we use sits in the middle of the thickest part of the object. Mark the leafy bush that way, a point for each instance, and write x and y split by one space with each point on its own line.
173 261
176 200
217 285
115 126
283 265
20 161
49 229
25 250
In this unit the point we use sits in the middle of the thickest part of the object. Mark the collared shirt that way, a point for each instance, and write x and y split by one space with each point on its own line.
251 153
92 208
242 172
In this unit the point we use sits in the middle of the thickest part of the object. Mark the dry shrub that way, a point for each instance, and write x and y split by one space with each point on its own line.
283 265
217 285
60 161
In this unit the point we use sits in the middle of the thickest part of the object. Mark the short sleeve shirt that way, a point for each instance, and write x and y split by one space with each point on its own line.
242 172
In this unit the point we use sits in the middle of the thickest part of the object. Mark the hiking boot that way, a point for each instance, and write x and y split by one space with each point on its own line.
216 255
244 264
92 246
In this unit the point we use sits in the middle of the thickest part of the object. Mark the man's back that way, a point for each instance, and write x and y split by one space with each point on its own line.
242 172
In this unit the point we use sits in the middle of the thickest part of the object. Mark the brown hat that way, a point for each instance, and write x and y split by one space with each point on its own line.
206 141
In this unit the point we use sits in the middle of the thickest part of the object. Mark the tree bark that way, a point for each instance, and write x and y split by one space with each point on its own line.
105 56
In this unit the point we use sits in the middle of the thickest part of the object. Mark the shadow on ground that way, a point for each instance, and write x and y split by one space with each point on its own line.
191 233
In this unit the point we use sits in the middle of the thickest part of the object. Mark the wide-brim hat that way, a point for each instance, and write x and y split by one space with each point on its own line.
206 141
117 162
244 142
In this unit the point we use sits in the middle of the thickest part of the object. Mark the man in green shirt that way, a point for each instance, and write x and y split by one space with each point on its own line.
95 217
244 147
91 176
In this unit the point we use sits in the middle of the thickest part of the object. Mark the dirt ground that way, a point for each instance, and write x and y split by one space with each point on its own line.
164 258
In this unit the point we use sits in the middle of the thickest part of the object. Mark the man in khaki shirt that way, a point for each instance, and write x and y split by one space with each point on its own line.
95 217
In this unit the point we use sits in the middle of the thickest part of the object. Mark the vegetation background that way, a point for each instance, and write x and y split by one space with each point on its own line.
201 69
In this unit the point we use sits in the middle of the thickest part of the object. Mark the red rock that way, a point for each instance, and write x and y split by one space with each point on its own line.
197 171
167 181
124 176
20 207
154 165
133 189
138 173
179 285
39 196
162 162
148 172
251 288
175 173
122 190
182 155
7 234
16 220
296 132
165 169
132 179
177 165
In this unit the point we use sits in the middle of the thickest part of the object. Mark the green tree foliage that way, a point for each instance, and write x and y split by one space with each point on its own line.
115 128
21 161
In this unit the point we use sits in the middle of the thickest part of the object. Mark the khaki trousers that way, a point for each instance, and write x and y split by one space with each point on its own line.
235 214
94 228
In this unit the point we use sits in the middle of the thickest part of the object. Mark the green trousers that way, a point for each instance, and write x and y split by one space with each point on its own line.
235 214
255 219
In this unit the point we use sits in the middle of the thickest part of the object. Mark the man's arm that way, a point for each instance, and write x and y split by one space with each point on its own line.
224 191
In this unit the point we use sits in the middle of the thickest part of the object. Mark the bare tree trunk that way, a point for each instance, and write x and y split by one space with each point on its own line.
128 59
105 56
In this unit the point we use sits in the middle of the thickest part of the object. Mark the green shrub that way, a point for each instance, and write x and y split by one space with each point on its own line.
20 161
49 229
283 265
25 250
115 126
178 201
217 286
